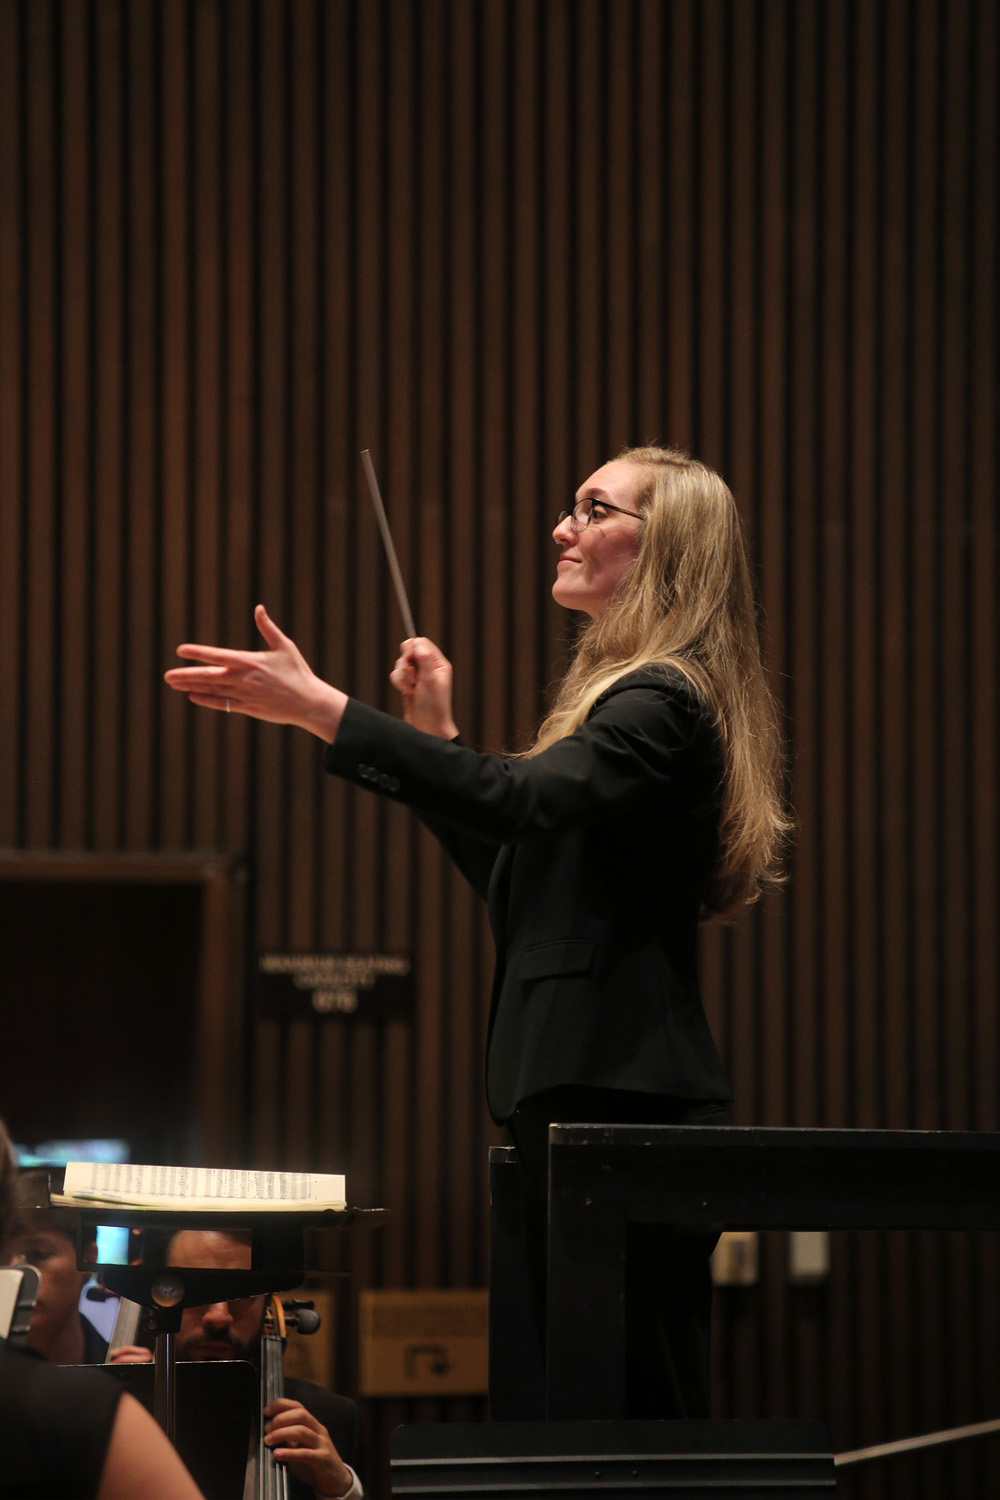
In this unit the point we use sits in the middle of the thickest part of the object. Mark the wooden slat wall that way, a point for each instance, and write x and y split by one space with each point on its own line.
493 240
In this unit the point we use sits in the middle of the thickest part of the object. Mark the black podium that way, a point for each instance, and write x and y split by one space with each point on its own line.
604 1178
613 1460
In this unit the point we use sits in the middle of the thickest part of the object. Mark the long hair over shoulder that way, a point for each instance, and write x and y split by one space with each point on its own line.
688 603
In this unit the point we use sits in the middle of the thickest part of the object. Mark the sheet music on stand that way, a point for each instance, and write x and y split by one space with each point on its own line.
193 1189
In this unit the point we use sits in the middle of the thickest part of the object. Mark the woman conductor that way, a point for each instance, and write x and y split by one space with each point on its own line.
650 800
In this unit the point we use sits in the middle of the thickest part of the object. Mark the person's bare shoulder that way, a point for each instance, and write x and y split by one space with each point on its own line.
140 1461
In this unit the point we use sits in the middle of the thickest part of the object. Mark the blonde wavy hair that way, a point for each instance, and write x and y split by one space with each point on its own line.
688 603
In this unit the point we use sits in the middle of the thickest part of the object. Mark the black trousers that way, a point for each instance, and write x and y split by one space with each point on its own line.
668 1286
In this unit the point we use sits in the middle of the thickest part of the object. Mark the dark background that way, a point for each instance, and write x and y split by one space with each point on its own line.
103 980
493 242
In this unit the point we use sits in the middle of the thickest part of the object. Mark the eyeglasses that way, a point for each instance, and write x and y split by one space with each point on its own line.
582 513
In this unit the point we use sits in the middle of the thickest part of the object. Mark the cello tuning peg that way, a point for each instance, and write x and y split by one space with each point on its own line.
306 1320
301 1315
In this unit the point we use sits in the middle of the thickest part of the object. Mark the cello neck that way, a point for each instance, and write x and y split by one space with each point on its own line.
272 1477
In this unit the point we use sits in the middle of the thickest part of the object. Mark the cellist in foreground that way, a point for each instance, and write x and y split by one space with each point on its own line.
310 1433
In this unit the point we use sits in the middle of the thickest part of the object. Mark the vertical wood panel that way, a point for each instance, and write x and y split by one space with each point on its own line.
337 492
619 213
712 233
244 239
12 358
558 355
204 500
106 417
141 465
680 166
530 505
240 476
774 507
645 76
74 541
919 650
302 475
272 227
806 581
871 928
984 612
178 582
955 557
43 179
484 531
587 170
834 623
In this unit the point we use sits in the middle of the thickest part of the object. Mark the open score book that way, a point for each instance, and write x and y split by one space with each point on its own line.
219 1189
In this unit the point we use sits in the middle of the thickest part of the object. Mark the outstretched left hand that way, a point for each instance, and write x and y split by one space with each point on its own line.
277 685
297 1439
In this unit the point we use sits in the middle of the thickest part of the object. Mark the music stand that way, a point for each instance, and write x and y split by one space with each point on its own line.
277 1263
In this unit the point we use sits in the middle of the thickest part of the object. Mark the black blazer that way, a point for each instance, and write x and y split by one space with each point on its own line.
594 858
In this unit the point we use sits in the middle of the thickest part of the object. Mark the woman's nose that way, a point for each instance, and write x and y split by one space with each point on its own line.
563 533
